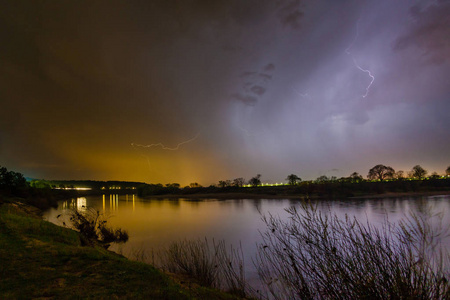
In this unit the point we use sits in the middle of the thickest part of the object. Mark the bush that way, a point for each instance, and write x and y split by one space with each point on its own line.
316 255
92 227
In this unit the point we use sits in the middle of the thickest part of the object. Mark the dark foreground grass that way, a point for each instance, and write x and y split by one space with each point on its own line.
41 260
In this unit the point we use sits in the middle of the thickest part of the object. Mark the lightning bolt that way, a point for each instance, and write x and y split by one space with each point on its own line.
368 73
356 64
165 147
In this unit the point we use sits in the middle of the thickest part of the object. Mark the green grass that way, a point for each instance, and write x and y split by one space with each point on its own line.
41 260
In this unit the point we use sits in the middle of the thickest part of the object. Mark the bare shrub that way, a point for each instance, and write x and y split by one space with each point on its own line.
315 255
93 228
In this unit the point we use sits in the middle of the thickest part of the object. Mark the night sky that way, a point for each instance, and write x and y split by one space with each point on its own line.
201 90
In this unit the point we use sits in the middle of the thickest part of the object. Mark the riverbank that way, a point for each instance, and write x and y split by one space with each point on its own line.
331 189
227 196
42 260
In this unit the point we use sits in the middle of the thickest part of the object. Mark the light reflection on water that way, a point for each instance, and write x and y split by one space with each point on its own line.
153 224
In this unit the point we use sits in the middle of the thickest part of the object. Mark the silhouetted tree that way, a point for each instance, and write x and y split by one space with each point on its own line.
195 185
322 179
355 177
173 185
255 181
418 172
447 172
293 179
380 172
399 175
238 182
224 183
434 176
11 179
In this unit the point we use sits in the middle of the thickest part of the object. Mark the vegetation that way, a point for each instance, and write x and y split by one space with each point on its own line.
381 172
211 264
93 228
94 185
312 255
418 172
41 260
293 179
14 185
381 179
316 255
255 181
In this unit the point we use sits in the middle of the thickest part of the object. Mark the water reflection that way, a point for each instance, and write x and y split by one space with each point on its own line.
78 204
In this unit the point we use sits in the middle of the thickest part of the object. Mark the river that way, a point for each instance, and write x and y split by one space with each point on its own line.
154 223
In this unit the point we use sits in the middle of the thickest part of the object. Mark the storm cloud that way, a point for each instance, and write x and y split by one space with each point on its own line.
269 87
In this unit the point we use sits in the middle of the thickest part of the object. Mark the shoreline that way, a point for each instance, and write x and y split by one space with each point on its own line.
241 196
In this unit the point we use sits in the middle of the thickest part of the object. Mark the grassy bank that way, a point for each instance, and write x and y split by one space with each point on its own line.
41 260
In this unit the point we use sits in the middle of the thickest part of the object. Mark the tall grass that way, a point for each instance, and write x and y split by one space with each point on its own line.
315 255
194 258
210 263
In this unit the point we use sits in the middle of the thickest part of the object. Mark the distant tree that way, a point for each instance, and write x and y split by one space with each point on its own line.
171 188
434 176
322 179
238 182
173 185
293 179
418 172
195 185
447 172
224 183
399 175
380 172
355 177
11 179
255 181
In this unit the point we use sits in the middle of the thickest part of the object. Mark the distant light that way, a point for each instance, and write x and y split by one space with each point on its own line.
77 188
81 203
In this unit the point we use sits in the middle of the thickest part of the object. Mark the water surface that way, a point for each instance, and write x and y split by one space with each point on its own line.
154 223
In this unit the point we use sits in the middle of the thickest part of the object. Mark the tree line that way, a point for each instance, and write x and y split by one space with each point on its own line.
379 172
379 179
13 185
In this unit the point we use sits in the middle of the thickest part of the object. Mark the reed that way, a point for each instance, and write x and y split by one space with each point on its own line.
212 264
316 255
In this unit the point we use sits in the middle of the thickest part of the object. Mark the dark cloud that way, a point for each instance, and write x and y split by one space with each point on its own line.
82 80
269 67
259 90
255 86
290 13
430 32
